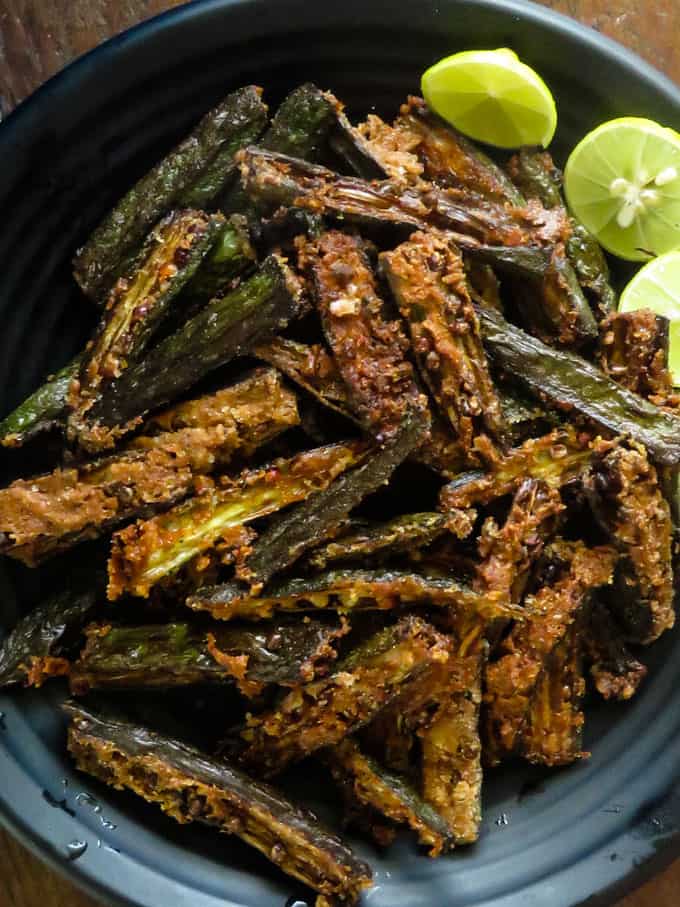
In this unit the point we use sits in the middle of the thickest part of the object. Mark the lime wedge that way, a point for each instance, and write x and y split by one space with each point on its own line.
491 96
623 182
657 287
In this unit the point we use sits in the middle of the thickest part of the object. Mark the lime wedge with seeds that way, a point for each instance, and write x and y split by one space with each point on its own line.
491 96
623 182
657 287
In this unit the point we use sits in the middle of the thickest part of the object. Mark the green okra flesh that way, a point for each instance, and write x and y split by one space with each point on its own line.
402 534
346 591
226 328
571 383
234 123
36 648
42 411
151 551
136 307
179 654
315 519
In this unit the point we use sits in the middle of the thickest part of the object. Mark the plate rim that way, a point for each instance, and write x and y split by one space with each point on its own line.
29 832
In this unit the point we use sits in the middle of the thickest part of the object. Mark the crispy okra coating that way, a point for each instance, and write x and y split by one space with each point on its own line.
323 712
436 715
511 681
150 551
573 385
366 784
427 277
403 535
320 516
135 308
451 765
555 459
312 368
615 671
276 180
626 496
346 591
634 352
190 786
534 172
507 553
552 735
49 513
179 654
449 159
368 347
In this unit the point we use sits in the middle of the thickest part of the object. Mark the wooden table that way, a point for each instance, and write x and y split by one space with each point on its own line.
38 37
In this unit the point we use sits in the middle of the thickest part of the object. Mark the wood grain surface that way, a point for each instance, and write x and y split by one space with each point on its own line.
37 38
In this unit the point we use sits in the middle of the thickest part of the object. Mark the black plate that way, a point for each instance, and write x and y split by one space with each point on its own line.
588 832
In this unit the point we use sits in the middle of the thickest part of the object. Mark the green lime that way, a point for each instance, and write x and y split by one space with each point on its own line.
657 287
623 182
491 96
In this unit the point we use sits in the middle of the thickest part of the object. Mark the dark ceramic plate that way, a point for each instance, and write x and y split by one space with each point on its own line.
584 834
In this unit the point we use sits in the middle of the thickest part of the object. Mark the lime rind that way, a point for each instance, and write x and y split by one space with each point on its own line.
492 97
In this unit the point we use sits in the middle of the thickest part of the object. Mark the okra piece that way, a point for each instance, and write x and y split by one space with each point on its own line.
205 155
363 781
227 327
179 654
553 307
346 591
572 384
634 352
150 551
508 552
401 535
427 278
556 459
534 173
392 148
537 176
368 347
627 499
353 145
302 123
231 256
40 645
312 368
136 306
552 735
615 671
42 411
437 716
190 786
300 127
451 758
449 159
524 418
46 514
275 180
323 712
483 284
319 516
512 680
